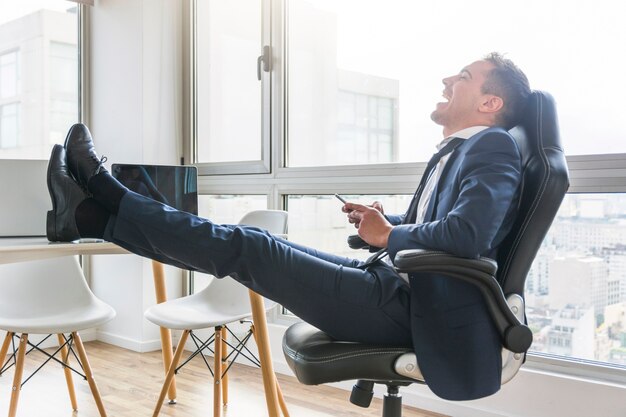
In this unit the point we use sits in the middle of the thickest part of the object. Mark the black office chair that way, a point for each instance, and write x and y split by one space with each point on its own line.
316 358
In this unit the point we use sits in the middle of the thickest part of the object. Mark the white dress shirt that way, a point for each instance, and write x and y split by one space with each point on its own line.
435 174
433 179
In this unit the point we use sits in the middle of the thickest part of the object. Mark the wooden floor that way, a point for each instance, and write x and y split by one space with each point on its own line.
129 383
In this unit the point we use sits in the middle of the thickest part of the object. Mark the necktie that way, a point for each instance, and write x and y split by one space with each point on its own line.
411 213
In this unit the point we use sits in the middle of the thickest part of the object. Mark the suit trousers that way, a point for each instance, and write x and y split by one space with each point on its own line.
367 305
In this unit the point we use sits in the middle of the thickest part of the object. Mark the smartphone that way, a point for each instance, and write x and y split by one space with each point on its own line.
340 198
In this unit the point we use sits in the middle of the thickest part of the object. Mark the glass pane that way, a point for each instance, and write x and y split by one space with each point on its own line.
229 93
9 126
229 209
9 74
38 76
384 49
576 288
225 209
317 220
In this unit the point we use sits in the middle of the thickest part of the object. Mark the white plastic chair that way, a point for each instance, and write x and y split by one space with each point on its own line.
48 297
222 302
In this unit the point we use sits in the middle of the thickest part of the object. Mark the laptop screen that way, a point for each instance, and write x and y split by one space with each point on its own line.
176 186
24 197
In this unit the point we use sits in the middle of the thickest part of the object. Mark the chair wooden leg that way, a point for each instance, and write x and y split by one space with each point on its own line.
5 347
65 354
279 391
87 368
281 400
265 355
224 366
169 377
217 373
17 378
158 274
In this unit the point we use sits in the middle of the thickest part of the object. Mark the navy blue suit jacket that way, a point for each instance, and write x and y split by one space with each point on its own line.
471 211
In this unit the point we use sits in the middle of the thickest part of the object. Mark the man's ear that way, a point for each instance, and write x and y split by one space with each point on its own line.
491 104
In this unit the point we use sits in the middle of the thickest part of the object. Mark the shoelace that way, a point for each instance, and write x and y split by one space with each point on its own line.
101 162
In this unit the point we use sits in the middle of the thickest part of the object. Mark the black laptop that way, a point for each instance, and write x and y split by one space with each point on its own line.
174 185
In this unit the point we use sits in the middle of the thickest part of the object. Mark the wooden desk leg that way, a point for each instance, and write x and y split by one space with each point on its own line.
262 339
166 335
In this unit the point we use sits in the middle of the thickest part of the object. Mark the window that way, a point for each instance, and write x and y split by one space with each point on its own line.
353 83
229 109
9 126
229 209
63 105
401 49
576 289
317 221
39 70
9 75
365 130
9 106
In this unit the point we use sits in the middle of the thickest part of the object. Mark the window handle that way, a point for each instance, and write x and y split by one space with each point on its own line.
264 59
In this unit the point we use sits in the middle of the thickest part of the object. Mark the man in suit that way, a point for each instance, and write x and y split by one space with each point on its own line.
464 205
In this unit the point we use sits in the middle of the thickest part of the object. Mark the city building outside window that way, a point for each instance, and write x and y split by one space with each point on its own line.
39 98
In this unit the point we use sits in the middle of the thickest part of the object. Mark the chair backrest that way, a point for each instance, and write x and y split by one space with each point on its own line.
544 184
42 288
228 294
274 221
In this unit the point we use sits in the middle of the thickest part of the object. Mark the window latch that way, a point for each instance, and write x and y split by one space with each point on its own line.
265 60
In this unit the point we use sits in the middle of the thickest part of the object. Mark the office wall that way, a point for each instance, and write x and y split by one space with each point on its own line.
135 117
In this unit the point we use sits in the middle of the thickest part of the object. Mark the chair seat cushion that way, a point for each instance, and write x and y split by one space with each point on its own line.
194 312
316 358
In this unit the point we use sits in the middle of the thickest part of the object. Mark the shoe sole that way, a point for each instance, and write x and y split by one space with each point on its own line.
51 230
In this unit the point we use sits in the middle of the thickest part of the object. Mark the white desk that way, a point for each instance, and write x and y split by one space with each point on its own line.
28 249
31 248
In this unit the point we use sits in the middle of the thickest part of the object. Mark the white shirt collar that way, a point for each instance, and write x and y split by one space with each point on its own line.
466 133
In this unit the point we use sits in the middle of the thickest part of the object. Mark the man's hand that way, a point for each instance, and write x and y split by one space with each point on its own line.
372 225
356 219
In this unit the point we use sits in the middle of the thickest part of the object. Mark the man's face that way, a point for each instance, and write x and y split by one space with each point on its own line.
464 97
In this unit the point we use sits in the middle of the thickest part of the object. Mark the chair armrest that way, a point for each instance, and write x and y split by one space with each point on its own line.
356 242
480 272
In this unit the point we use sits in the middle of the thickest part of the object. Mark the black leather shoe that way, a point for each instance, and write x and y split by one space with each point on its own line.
66 195
82 160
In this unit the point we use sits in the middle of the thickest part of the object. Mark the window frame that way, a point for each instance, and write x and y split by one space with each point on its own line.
597 173
261 166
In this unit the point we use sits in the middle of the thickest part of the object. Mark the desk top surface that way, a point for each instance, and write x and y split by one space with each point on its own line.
20 249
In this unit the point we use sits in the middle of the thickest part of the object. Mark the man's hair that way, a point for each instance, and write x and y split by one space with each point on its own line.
509 83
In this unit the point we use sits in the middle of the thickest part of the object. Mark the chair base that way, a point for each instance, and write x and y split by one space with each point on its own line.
363 392
392 402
